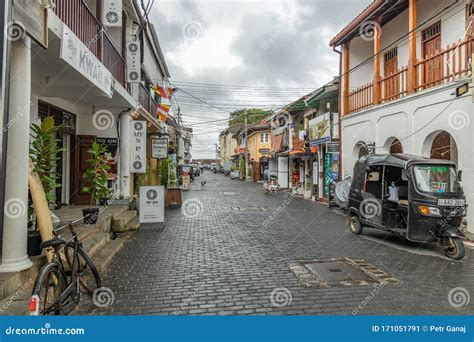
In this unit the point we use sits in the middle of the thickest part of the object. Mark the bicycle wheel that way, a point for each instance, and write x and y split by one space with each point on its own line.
48 287
89 277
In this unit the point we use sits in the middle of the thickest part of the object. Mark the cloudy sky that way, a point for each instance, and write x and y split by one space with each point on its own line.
227 55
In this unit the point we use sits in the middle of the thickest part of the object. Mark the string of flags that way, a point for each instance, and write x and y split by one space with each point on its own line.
165 92
162 111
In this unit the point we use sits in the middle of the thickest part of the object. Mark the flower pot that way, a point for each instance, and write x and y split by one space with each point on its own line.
33 243
90 215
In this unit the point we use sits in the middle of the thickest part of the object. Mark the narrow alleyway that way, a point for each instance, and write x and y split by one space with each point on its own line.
228 252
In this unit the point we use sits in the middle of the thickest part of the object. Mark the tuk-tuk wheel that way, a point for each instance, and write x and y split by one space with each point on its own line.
354 225
453 247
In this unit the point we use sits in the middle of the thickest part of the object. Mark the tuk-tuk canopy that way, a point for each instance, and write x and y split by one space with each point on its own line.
400 160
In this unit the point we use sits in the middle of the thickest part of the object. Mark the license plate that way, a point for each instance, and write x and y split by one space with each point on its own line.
451 202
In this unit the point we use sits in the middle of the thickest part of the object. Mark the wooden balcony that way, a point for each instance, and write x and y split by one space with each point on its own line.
78 17
146 100
444 66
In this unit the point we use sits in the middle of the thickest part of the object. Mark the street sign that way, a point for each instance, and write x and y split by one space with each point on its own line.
138 146
159 148
332 147
152 204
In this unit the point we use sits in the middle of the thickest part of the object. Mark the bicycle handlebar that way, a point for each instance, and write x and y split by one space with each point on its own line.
70 223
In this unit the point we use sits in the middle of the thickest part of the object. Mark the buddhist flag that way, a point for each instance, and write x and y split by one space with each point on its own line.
165 92
162 111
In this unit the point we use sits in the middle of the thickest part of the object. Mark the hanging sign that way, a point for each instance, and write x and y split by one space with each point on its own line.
133 62
111 143
332 147
112 13
159 148
152 204
77 55
138 145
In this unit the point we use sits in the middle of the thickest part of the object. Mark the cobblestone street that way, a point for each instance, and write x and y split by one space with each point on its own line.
227 251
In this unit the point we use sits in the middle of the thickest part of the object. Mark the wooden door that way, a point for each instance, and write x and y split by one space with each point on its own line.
83 144
433 68
441 147
392 84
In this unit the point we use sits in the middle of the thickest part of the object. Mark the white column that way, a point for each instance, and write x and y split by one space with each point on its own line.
125 176
14 257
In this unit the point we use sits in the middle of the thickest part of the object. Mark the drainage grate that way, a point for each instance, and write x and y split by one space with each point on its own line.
338 272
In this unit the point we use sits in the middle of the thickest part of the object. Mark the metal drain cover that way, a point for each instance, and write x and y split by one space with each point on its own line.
338 272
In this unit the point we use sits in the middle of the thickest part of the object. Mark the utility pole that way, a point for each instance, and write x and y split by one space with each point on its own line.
246 145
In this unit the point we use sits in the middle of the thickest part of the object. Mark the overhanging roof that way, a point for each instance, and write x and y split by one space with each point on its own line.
386 10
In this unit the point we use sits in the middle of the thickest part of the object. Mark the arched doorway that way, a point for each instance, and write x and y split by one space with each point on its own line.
395 146
441 145
360 150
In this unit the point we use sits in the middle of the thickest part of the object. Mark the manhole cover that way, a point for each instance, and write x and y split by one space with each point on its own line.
338 272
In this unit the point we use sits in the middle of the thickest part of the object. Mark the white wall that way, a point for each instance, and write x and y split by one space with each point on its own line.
452 29
415 120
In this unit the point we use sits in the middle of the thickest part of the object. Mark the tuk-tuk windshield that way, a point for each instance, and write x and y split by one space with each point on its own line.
436 178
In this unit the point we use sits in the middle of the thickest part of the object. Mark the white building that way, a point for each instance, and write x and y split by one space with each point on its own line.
404 99
75 70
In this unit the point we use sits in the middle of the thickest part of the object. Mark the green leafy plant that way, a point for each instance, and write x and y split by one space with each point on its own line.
249 171
242 165
96 173
44 153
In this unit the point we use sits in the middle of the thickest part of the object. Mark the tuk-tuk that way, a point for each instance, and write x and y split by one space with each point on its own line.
418 198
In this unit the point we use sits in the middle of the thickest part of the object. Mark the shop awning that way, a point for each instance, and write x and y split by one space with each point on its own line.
301 152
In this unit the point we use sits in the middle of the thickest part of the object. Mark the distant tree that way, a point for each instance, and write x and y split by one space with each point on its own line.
254 115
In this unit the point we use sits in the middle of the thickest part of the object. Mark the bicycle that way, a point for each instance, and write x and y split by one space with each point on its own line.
57 288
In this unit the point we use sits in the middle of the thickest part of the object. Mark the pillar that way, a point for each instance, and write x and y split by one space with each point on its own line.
14 255
376 81
411 72
345 78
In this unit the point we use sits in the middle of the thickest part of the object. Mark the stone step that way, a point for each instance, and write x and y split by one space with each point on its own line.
134 224
93 243
106 254
121 222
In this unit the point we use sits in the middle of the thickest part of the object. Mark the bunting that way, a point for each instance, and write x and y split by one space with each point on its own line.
165 92
162 111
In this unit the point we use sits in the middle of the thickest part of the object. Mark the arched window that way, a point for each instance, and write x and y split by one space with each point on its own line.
396 146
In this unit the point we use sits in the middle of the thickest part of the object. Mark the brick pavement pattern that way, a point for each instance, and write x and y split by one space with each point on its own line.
225 252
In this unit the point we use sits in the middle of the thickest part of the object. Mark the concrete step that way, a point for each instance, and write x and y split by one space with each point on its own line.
121 222
134 224
93 243
106 254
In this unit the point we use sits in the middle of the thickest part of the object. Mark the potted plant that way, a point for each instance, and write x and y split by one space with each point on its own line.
96 181
44 152
308 188
249 173
241 169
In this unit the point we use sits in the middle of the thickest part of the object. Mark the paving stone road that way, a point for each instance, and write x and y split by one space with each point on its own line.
226 252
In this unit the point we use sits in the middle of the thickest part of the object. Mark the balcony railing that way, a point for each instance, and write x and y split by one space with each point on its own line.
361 98
444 66
146 100
78 17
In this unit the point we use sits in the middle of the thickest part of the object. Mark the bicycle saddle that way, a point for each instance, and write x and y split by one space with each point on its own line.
54 242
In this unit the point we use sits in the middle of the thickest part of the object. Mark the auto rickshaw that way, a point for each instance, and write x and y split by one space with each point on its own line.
418 198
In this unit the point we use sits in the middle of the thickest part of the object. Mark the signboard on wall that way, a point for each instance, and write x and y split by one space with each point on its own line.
111 143
152 204
319 129
133 62
159 148
138 145
112 13
332 147
30 17
77 55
